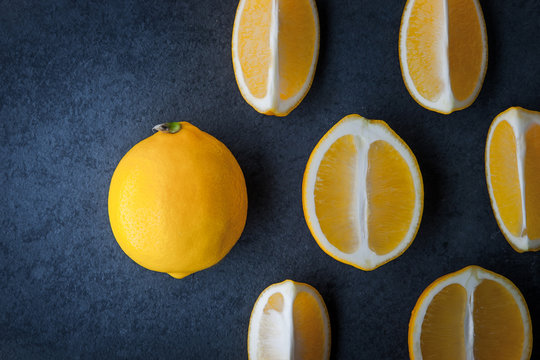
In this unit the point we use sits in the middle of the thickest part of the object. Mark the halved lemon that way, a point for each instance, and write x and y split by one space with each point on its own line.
275 46
472 314
289 321
513 176
362 193
443 52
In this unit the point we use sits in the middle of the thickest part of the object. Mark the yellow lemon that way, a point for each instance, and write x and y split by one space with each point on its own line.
177 201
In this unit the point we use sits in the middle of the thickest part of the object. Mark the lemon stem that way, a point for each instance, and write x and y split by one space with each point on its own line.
170 127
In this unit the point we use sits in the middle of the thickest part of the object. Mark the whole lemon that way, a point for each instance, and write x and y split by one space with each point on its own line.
177 200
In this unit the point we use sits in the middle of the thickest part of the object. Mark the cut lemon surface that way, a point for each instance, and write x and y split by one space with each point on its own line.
289 321
275 46
443 52
472 314
362 193
513 176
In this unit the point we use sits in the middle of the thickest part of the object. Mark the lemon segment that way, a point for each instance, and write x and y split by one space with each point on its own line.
442 329
309 322
424 49
498 326
504 177
297 43
336 198
466 47
532 179
254 55
390 196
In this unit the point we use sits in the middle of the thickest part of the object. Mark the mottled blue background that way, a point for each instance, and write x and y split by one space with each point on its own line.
83 81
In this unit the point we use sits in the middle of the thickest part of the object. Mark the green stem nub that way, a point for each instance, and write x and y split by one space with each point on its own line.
170 127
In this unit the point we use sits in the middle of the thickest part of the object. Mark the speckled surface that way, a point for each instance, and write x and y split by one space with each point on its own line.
82 82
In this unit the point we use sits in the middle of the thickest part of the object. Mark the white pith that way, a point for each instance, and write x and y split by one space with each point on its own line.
272 102
520 121
282 339
446 103
470 278
365 133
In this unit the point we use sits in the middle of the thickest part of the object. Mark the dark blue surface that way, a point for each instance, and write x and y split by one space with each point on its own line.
82 82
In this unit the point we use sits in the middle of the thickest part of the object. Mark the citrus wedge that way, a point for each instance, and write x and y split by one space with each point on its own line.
275 46
472 314
362 193
289 321
443 52
513 176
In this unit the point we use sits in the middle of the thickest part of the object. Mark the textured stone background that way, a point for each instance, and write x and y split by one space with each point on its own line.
82 82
